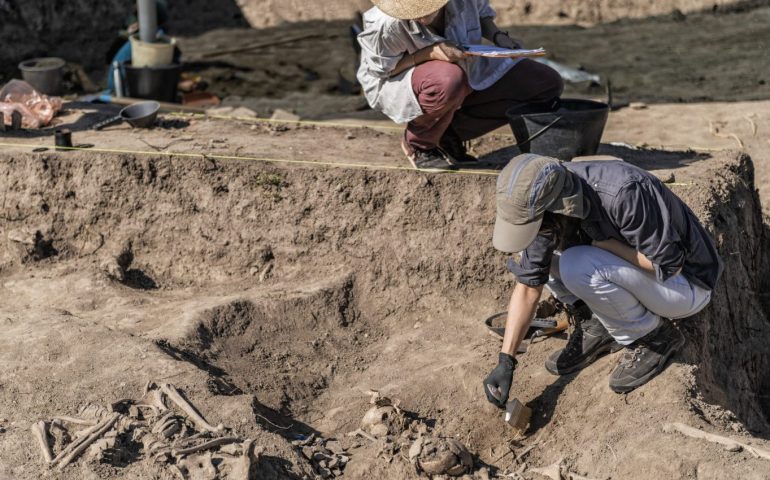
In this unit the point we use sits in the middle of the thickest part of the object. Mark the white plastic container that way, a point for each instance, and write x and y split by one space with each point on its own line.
157 54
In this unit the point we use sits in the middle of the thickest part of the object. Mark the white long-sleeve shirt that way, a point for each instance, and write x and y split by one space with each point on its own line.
385 40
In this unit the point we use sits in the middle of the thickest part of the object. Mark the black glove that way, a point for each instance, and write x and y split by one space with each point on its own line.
497 385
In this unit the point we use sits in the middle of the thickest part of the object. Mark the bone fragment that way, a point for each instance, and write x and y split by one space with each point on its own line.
520 456
170 428
74 443
153 399
100 430
205 446
727 442
76 421
187 440
177 472
199 467
40 431
243 466
363 434
554 471
160 423
96 412
190 410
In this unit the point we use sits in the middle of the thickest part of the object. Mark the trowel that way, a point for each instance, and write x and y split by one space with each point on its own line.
516 413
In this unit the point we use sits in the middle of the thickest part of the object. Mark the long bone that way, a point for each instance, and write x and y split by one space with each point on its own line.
40 431
190 410
77 447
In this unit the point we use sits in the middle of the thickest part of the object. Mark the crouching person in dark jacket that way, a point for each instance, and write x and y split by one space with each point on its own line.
617 248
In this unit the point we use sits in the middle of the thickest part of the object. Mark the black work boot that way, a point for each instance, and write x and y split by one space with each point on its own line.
646 357
455 147
589 340
433 159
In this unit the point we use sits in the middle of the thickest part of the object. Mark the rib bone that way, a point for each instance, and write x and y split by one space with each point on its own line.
205 446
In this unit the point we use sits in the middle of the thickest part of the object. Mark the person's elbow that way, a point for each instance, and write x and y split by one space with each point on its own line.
665 270
382 68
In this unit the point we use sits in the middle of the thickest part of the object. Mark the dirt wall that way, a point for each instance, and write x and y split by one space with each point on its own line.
405 238
731 351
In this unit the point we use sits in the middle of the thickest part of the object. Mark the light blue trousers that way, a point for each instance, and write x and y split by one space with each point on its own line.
627 301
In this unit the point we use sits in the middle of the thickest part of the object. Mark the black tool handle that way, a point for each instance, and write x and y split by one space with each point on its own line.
108 122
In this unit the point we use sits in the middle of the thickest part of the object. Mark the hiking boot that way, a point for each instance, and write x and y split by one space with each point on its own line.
646 357
433 159
455 147
589 340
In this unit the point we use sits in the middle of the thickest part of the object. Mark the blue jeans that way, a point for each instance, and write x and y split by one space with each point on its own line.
627 301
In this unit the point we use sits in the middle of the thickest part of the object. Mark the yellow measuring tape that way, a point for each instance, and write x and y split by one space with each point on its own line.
321 123
315 123
253 159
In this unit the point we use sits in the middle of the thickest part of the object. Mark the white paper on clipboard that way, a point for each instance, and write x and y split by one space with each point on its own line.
497 52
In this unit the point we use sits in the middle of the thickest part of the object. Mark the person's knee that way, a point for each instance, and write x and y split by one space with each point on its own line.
445 86
555 82
576 269
551 85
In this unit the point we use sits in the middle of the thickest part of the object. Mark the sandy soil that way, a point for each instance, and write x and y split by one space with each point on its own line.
39 28
651 60
266 13
637 55
286 292
277 273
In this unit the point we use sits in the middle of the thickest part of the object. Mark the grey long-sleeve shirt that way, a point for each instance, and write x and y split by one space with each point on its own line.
635 207
385 40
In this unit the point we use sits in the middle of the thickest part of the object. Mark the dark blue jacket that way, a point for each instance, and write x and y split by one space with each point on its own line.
633 206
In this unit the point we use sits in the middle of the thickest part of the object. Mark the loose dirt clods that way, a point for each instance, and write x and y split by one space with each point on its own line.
328 456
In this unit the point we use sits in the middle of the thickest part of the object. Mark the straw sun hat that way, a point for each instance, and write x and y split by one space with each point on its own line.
409 9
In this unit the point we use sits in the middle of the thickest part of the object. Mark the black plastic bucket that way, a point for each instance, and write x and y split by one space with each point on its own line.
152 83
44 74
574 130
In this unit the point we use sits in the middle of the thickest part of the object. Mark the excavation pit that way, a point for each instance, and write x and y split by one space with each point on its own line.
287 292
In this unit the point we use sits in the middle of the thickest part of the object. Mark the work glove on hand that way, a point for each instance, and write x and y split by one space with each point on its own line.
497 385
502 40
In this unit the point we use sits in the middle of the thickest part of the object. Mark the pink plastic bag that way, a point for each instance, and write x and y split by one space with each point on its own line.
36 110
